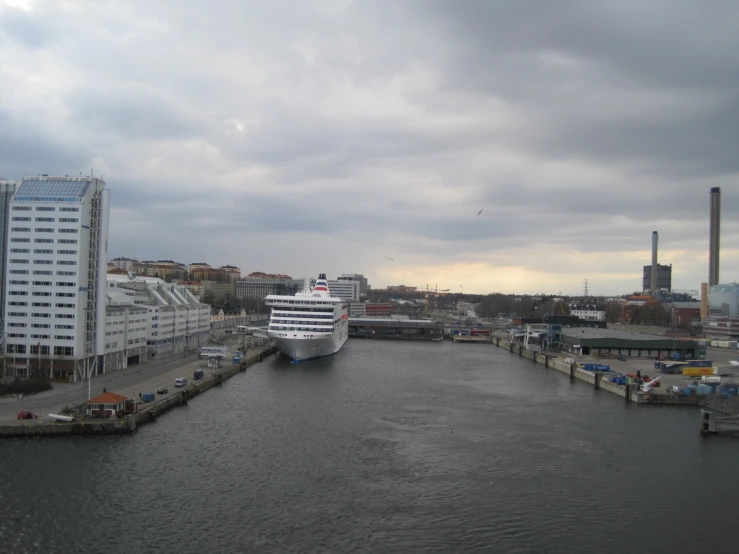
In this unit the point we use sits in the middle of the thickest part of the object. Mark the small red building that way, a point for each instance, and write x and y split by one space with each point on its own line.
106 404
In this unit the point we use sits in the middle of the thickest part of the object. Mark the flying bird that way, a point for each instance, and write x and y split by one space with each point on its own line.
478 213
461 286
389 258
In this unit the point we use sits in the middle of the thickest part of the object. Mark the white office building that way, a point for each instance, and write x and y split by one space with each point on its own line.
56 276
346 290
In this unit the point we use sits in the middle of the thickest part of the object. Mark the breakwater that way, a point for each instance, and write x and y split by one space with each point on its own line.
145 414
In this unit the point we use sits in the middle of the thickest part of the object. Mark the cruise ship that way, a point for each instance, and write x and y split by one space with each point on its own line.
310 324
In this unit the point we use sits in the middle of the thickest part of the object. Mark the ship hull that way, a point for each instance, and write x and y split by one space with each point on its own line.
301 349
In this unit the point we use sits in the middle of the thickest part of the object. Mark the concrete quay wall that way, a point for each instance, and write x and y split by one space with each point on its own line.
598 380
146 413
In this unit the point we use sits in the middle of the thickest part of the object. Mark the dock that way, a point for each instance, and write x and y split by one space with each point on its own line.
714 424
599 380
146 413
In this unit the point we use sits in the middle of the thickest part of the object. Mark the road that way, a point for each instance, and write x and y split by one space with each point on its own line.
128 382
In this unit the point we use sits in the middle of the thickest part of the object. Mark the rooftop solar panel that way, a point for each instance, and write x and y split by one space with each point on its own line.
49 190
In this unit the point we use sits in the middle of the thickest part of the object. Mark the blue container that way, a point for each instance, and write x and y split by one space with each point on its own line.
148 397
236 359
703 390
597 367
700 363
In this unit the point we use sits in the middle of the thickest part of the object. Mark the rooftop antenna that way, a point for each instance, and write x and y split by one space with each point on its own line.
586 288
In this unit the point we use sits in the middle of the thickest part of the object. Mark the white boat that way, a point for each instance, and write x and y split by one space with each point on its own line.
60 417
310 324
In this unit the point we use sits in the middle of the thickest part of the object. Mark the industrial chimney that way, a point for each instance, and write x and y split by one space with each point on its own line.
715 237
653 279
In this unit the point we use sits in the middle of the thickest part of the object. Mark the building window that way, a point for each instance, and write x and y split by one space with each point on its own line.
21 229
65 305
16 324
43 262
63 337
67 241
41 293
66 262
12 282
65 294
21 219
40 251
40 336
65 284
63 326
64 209
42 272
68 220
41 304
21 208
17 314
44 350
67 273
16 239
40 314
45 219
45 209
44 230
64 316
18 293
62 350
41 325
43 241
18 261
69 230
42 283
16 349
66 252
19 272
18 303
17 335
20 251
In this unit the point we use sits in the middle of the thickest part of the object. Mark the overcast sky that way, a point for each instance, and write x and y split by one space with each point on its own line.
322 136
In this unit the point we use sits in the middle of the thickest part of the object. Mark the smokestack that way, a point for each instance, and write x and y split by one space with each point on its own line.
715 236
653 279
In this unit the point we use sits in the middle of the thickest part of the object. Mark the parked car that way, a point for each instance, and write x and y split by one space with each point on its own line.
181 382
162 391
25 414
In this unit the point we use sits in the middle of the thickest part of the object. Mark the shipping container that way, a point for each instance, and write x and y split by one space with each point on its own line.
700 363
596 367
698 371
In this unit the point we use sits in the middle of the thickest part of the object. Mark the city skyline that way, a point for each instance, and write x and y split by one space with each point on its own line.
492 148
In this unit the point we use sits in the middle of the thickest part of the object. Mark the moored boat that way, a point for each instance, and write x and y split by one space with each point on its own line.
62 418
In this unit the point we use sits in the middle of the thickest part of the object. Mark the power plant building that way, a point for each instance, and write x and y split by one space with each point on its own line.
664 278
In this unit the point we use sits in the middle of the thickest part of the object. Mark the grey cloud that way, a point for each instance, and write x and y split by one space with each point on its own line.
132 112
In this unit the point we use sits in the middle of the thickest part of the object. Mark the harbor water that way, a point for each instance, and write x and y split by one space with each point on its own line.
388 446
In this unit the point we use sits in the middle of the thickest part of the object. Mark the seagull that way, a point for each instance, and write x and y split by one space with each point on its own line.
478 213
389 258
461 286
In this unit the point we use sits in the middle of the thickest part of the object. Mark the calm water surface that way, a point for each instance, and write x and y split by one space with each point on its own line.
385 447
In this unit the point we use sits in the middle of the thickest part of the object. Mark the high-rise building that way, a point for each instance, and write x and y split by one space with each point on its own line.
56 276
7 189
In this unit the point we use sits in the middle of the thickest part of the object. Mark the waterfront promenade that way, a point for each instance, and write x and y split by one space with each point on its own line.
129 382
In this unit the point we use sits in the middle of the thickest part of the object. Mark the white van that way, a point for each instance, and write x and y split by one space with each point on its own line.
181 382
711 379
